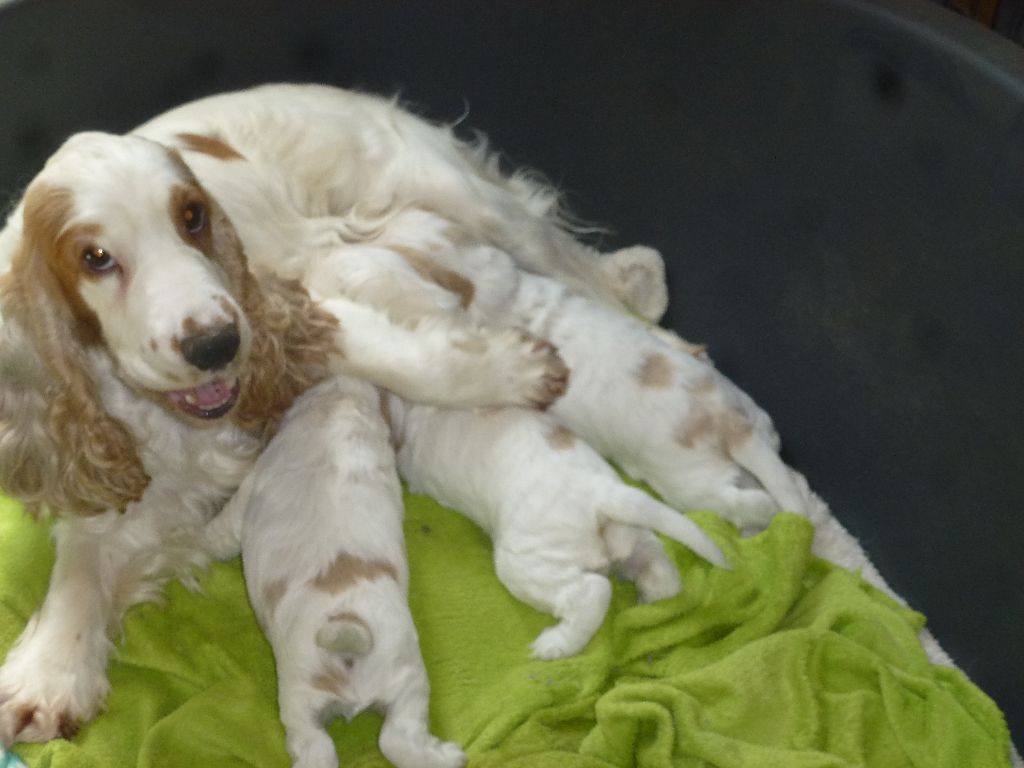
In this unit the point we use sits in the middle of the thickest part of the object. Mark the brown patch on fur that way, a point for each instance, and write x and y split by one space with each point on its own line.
209 145
698 424
330 679
655 371
92 463
47 213
347 570
735 428
728 427
703 383
292 346
561 438
67 727
23 719
190 327
272 594
430 270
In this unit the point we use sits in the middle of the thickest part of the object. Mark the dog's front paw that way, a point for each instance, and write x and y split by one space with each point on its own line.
499 368
27 721
549 372
40 702
554 643
420 750
637 275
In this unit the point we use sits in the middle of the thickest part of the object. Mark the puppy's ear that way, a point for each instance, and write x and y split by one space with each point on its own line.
65 452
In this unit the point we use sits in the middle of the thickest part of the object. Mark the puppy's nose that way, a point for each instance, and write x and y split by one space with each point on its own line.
212 349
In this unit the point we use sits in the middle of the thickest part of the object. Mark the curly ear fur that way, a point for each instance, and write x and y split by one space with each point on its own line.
91 463
293 341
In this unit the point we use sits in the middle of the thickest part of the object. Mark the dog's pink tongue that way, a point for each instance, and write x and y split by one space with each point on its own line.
206 396
212 394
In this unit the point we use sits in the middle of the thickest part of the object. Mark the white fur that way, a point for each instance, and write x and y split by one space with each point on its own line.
559 516
326 485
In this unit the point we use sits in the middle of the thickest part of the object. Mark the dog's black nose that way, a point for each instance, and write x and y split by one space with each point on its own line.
213 349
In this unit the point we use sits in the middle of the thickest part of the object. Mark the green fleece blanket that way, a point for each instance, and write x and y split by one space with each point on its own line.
785 661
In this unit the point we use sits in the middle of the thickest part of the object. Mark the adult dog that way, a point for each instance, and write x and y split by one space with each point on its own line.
150 347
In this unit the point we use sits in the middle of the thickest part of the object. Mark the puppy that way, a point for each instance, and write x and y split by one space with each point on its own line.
656 407
319 524
559 516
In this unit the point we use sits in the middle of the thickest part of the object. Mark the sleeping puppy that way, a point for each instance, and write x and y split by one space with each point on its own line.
319 523
640 395
558 514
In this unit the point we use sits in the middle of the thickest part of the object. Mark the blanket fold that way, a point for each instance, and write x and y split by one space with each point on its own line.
786 660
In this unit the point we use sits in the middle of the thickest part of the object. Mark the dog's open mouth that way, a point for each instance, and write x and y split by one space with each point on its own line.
207 401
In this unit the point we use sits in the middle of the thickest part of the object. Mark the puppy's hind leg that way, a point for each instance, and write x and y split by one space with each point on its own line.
405 739
709 484
638 555
578 598
300 705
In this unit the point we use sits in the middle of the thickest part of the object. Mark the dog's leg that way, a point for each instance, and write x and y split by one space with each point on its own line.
715 489
307 740
638 555
380 277
54 679
578 599
637 275
404 737
441 364
222 536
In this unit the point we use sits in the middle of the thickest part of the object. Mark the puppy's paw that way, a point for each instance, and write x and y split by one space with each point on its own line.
749 509
554 374
441 754
530 370
554 643
637 275
658 581
416 748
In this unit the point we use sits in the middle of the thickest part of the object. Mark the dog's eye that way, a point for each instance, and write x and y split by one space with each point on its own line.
98 260
194 217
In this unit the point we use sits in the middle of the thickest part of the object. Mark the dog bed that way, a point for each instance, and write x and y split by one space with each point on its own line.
836 187
786 661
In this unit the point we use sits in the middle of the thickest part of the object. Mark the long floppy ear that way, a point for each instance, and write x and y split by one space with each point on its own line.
92 464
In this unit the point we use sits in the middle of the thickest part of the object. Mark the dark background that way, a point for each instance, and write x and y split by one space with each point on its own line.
837 188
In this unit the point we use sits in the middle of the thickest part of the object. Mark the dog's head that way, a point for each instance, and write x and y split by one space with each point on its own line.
122 247
122 251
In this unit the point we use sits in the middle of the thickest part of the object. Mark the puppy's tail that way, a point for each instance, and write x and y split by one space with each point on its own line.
630 506
760 459
345 634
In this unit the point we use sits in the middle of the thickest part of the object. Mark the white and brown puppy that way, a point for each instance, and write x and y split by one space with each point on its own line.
648 402
319 525
558 514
